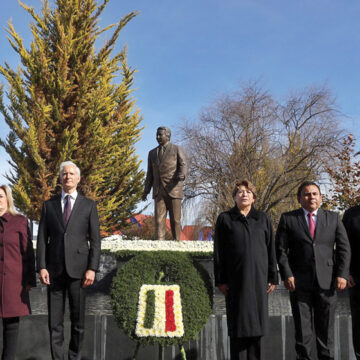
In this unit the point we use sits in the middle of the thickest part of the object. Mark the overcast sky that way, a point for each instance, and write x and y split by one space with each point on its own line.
189 52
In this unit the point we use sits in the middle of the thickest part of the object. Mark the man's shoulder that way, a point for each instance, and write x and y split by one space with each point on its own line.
175 147
300 211
329 213
292 213
154 150
86 200
53 199
354 210
81 197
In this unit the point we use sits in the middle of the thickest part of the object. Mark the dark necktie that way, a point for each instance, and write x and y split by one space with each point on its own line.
67 209
311 224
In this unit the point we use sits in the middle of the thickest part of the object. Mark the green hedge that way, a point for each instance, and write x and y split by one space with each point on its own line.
127 254
179 268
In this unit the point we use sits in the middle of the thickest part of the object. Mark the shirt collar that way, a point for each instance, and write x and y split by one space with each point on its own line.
5 217
73 195
235 213
308 212
164 146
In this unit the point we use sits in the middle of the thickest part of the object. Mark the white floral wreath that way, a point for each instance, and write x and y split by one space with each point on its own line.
168 320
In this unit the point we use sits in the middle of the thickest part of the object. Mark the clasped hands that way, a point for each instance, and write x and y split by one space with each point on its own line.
88 280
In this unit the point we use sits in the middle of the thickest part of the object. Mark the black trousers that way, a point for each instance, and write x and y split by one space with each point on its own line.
10 336
57 291
314 316
245 348
355 315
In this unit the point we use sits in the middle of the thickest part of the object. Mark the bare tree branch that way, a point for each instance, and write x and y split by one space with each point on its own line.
250 135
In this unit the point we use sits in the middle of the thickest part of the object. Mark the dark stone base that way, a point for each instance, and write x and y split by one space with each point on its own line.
105 341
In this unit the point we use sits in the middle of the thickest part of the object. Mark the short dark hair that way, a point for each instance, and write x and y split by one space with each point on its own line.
305 184
247 184
166 129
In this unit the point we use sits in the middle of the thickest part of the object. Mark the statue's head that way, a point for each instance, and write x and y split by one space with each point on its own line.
163 135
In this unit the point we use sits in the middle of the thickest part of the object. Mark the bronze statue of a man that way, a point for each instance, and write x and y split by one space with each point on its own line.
166 173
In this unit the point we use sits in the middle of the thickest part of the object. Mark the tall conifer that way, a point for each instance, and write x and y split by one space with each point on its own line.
65 104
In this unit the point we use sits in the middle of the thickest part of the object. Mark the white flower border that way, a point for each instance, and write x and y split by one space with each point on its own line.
159 329
115 243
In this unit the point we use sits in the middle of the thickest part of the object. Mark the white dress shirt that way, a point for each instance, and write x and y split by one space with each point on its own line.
314 216
73 197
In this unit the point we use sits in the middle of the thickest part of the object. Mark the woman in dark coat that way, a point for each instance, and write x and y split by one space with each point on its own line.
245 270
17 271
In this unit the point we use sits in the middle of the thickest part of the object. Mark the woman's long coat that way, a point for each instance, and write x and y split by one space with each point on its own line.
244 259
17 266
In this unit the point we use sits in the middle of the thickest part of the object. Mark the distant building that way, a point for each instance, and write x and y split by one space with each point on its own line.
196 232
188 232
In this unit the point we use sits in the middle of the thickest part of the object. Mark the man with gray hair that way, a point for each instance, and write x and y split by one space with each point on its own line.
68 254
165 175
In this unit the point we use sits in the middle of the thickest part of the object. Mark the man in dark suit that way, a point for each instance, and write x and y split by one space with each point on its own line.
351 221
166 173
313 254
68 253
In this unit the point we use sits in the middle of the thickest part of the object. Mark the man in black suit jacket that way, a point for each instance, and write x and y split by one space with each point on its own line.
68 253
351 221
313 253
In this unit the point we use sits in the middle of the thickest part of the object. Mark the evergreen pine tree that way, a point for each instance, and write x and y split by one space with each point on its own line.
65 105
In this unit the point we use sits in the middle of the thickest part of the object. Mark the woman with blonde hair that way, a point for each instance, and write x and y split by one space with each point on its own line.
17 271
245 271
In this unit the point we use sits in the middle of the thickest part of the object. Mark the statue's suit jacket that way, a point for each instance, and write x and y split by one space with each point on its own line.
169 172
326 256
74 247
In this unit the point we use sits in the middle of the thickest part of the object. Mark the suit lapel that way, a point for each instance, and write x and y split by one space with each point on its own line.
320 220
303 224
155 156
58 209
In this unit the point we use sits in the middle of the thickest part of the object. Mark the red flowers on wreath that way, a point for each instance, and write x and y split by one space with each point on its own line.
169 307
